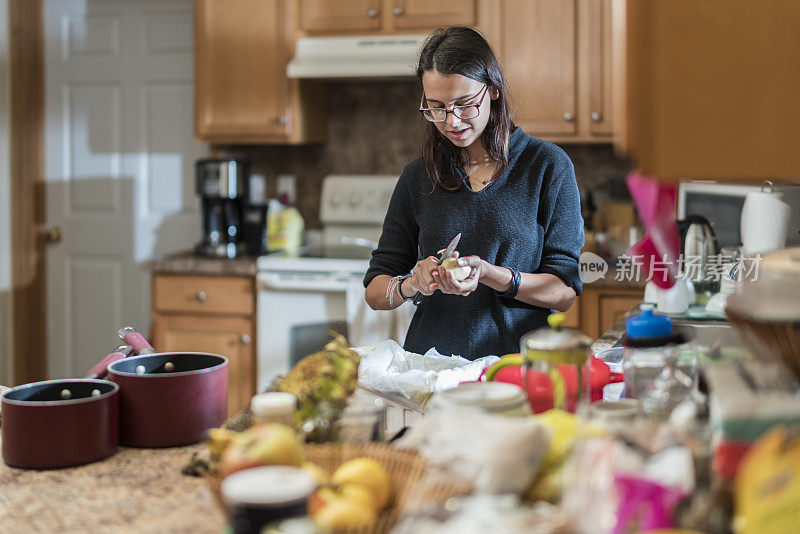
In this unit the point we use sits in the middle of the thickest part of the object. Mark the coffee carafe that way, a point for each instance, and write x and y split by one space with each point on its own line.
223 188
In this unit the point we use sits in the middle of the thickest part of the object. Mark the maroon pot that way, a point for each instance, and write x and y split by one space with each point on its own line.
170 399
59 423
42 429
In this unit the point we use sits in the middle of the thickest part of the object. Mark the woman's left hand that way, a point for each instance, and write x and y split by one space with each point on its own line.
449 285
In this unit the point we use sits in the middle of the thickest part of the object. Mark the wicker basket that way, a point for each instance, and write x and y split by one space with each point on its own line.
415 483
771 340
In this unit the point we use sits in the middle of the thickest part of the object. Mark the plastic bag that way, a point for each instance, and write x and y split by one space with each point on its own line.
284 228
390 369
495 453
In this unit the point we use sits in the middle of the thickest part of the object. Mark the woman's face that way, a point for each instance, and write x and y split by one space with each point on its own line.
448 90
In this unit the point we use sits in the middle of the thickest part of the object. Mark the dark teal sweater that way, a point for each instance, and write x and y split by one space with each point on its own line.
528 219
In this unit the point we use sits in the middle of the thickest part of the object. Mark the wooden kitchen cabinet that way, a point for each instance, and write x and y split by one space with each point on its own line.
213 314
557 58
242 94
709 89
322 17
597 309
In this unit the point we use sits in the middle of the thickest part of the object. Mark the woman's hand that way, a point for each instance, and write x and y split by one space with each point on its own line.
421 278
448 284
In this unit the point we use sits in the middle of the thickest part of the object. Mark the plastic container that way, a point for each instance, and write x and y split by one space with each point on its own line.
274 407
261 495
498 398
659 361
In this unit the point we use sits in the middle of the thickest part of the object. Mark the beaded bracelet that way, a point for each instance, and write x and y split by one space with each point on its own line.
394 283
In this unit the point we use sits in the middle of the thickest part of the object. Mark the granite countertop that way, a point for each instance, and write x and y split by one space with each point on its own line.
190 263
133 490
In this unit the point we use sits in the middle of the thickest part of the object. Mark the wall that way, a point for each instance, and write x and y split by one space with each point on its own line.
6 331
373 129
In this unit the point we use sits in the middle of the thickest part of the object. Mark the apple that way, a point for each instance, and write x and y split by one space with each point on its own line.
368 473
270 444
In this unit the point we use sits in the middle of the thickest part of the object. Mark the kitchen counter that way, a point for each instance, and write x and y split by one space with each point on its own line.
133 490
189 263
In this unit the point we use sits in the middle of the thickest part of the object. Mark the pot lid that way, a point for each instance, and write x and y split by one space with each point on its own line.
490 395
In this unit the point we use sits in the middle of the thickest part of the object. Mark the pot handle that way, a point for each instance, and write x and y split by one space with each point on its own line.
100 369
132 337
615 378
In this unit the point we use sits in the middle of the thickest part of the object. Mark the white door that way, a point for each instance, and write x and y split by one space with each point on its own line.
119 165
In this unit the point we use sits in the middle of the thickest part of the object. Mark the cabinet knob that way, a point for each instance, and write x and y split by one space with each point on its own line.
245 339
281 120
372 12
201 296
596 116
569 117
55 234
398 11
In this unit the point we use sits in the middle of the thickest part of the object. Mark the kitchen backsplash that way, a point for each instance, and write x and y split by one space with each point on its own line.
373 129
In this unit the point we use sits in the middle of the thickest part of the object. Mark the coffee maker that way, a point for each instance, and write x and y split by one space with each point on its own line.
232 225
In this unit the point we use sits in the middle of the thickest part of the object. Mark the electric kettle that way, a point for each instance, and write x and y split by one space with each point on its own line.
699 248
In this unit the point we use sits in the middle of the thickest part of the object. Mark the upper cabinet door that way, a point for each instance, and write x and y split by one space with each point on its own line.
538 52
240 69
326 16
600 67
430 14
713 88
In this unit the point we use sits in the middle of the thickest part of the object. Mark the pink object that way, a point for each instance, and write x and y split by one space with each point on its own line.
644 505
660 248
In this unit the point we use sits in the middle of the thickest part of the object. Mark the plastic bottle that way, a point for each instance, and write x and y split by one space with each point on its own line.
274 407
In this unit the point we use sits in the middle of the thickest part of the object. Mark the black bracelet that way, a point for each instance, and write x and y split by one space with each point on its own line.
514 287
400 287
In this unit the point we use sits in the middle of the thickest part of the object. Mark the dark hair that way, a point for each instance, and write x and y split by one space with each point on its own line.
464 51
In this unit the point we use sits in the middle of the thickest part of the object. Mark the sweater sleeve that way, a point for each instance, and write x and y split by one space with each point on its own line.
397 248
563 238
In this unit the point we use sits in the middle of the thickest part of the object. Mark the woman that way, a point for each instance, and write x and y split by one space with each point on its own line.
513 198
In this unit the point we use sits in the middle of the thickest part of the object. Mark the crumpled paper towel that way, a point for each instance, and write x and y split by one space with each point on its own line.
388 368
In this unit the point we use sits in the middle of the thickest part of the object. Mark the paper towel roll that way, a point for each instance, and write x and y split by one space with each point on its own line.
764 223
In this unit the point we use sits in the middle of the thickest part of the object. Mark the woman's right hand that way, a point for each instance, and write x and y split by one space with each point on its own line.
421 279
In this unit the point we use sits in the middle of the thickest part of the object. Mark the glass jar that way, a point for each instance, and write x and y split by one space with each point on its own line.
547 349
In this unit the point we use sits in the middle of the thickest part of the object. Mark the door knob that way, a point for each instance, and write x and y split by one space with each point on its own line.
398 11
201 296
245 339
596 116
55 234
568 116
372 12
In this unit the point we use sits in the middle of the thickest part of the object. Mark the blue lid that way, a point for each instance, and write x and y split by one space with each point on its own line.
648 324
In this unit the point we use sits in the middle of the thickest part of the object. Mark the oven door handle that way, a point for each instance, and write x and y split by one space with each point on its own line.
329 283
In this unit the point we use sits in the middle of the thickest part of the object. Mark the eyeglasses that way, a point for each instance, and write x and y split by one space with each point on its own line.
462 112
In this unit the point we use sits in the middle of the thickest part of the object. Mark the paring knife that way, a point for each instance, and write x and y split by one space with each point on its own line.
445 254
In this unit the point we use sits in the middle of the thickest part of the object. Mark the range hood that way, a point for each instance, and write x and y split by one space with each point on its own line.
376 56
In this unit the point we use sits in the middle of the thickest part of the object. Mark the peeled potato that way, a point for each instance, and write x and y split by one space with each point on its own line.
458 272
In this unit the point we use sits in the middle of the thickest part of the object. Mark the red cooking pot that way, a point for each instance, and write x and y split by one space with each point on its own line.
60 423
171 398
